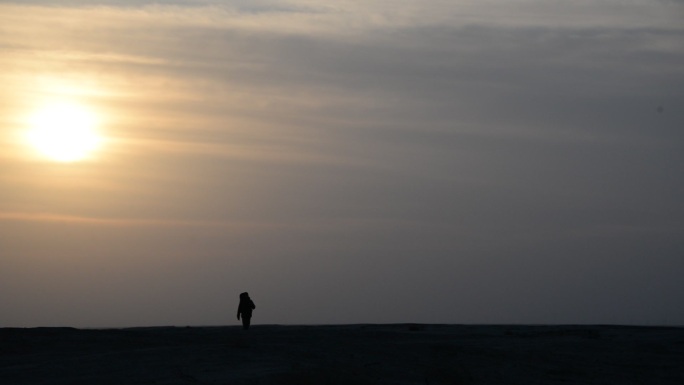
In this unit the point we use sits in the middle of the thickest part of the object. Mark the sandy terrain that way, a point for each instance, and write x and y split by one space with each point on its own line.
350 354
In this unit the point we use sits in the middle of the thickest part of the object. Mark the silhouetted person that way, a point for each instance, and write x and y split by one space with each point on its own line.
245 309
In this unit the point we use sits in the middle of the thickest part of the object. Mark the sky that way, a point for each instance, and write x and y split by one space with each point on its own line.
490 161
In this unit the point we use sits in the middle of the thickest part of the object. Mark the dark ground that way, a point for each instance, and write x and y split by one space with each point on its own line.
348 354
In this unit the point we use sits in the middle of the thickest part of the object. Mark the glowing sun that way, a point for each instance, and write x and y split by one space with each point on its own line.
64 132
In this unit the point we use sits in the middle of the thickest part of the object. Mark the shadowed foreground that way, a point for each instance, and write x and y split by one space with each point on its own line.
351 354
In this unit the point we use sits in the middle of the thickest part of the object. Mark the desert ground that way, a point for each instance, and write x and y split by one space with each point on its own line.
345 354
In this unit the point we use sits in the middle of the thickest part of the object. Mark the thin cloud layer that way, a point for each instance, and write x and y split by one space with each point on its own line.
497 161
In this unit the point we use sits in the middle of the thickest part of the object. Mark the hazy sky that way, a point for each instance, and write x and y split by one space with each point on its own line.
496 161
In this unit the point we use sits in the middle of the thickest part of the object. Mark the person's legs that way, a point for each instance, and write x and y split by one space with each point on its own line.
245 322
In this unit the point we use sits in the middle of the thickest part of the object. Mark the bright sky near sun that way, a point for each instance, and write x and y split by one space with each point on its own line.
498 161
63 132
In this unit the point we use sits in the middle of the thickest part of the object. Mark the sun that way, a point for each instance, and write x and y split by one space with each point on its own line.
64 132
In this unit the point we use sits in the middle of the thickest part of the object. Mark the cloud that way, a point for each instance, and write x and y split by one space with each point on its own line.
80 220
477 146
450 82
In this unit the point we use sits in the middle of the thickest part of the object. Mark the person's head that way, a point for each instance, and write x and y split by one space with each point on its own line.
244 295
